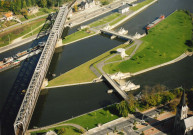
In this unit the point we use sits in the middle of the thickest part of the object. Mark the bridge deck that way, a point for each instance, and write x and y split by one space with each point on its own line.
116 87
116 34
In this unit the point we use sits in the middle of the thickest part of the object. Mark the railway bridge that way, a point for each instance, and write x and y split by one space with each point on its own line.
29 102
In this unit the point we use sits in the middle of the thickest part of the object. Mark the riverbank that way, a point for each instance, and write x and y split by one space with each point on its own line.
158 46
113 20
9 36
81 73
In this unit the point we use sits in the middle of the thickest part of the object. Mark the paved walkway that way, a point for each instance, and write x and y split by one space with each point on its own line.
102 63
53 126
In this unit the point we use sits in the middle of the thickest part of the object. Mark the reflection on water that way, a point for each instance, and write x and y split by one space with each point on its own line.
58 104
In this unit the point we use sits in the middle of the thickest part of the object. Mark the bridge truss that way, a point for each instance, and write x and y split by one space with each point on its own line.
27 107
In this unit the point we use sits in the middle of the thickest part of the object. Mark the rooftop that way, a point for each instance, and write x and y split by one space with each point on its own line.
188 122
124 6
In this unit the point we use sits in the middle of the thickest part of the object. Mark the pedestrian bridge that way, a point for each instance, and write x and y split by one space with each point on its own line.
116 87
29 102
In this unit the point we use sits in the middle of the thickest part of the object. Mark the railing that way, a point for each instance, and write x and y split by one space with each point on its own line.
26 110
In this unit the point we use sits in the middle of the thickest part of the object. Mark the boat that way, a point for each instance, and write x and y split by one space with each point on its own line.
129 86
155 22
9 65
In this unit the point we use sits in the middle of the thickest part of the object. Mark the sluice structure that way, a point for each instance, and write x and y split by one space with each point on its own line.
29 102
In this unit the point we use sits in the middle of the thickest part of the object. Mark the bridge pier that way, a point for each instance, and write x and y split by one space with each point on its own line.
59 43
113 37
45 83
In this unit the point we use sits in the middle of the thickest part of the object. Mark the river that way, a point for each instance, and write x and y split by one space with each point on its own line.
56 104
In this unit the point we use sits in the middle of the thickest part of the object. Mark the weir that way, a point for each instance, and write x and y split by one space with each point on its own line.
29 102
113 33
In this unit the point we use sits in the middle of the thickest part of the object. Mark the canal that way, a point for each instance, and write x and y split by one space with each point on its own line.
59 104
136 24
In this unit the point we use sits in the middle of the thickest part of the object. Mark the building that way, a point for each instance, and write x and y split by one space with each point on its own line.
183 125
8 16
123 9
85 4
33 10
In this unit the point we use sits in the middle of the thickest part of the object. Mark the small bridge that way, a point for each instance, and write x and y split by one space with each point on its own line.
116 87
29 102
113 33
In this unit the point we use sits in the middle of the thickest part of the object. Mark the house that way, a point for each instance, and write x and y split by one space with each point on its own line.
123 9
183 125
85 4
8 16
33 10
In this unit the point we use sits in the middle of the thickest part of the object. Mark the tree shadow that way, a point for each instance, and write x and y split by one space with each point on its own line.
189 43
113 52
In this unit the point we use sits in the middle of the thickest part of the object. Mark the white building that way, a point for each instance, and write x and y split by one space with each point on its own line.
122 52
123 9
8 16
85 4
33 10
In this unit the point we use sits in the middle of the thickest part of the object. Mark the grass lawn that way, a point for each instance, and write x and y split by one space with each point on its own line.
92 119
140 5
118 57
105 20
119 19
34 33
81 73
77 35
165 42
68 130
42 11
19 31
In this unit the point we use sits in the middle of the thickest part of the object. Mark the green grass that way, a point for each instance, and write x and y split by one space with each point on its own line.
165 42
19 31
140 5
92 119
34 33
77 35
105 20
119 19
42 11
68 131
118 57
81 73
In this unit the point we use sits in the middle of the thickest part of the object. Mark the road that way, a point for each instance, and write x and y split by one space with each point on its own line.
85 16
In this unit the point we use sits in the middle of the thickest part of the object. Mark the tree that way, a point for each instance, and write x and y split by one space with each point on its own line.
18 5
50 3
33 2
29 3
61 131
122 108
24 4
43 3
75 8
131 105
